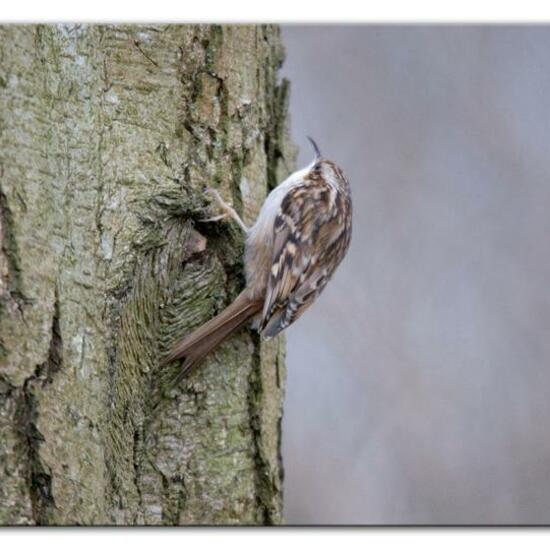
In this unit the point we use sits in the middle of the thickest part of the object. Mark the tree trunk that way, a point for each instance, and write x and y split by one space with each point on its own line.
108 135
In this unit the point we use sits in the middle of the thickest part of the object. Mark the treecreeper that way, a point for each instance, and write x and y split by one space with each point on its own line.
301 235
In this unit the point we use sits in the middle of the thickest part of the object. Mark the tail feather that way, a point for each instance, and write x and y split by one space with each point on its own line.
194 348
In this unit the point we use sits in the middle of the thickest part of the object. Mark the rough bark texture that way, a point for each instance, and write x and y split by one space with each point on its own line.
108 135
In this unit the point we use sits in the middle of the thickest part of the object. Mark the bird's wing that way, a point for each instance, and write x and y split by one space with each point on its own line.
310 239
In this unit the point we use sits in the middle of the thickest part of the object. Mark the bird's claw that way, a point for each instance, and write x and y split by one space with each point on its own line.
228 210
214 218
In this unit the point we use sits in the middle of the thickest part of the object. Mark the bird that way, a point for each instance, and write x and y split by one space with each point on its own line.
300 236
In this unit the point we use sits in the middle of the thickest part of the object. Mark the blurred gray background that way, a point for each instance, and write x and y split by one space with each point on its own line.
418 384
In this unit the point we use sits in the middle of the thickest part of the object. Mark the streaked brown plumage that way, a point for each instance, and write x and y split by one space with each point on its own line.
300 237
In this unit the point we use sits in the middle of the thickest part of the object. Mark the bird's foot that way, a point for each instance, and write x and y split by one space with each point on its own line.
228 210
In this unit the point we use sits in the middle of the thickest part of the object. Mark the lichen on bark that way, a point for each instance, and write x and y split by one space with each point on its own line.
108 135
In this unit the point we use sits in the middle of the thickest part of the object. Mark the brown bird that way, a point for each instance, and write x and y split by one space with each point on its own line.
300 237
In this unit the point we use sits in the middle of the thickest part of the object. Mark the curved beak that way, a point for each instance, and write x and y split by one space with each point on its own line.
315 148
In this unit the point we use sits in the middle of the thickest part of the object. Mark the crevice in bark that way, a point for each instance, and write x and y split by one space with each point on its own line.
274 134
39 477
6 388
173 498
136 458
11 294
167 516
261 473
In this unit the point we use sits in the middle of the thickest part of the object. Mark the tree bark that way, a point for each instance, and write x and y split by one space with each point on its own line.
108 135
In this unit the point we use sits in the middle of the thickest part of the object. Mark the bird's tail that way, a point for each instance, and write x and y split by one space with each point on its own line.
202 341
